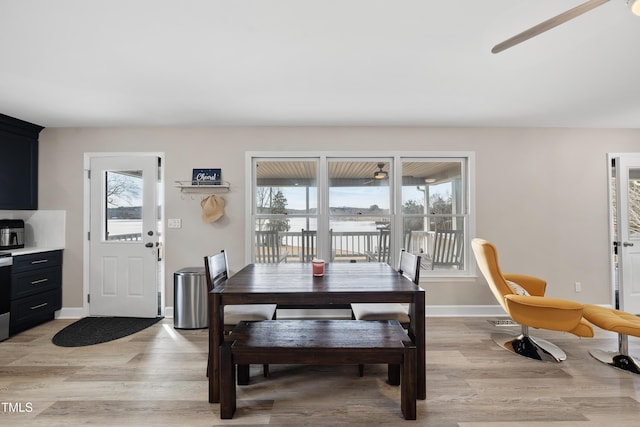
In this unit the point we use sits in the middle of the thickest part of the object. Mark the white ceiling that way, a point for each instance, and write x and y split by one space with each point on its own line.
316 62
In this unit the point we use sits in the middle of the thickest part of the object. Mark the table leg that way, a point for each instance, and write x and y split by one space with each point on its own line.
227 382
408 387
418 327
393 374
216 339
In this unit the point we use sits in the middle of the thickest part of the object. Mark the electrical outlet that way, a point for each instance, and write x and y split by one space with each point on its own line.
578 287
174 223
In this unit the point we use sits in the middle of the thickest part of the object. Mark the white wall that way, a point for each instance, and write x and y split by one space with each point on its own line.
541 194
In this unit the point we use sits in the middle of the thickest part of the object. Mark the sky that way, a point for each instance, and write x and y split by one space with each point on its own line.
361 197
132 190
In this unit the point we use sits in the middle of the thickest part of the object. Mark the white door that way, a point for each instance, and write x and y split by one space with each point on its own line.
627 177
124 238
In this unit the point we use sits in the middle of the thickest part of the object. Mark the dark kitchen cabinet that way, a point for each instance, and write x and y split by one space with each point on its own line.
36 289
18 164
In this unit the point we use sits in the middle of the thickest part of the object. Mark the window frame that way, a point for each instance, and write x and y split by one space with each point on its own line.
396 159
465 215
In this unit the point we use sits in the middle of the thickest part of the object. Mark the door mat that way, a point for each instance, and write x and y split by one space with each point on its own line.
503 322
96 330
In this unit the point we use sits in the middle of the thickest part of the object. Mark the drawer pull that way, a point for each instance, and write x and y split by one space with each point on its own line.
39 261
35 307
37 282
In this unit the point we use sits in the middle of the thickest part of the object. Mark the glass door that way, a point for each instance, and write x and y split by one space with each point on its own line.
627 240
124 236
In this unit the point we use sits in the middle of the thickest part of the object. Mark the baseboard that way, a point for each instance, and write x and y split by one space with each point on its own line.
471 310
79 313
431 311
464 311
71 313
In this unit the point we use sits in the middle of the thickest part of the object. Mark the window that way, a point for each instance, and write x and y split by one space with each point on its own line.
362 209
434 212
285 206
359 210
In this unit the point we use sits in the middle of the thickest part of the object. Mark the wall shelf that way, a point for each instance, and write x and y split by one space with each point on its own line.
202 186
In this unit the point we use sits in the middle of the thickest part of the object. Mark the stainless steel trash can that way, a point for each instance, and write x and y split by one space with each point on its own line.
190 299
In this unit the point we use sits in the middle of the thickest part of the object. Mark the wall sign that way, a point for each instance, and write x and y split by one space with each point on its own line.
206 176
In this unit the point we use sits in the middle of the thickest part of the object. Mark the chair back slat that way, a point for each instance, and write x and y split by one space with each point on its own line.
216 269
409 266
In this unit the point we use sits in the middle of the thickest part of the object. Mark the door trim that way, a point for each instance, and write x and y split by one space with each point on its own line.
86 225
613 271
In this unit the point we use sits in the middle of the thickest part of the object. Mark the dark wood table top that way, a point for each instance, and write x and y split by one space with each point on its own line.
354 279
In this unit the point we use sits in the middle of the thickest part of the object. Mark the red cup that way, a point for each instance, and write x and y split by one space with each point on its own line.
318 267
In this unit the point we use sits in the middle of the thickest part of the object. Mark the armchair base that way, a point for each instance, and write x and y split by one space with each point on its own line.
528 346
624 324
617 360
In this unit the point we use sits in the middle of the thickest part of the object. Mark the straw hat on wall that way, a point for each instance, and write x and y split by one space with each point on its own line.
212 208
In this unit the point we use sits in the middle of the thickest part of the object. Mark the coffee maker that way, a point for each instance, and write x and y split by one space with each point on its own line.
11 234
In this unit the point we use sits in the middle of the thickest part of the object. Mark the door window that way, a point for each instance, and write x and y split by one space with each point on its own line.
634 203
123 195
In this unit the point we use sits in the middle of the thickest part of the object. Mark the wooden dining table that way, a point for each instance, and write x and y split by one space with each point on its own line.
292 284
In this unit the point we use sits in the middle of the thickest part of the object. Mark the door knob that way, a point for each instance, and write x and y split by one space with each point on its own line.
627 244
148 245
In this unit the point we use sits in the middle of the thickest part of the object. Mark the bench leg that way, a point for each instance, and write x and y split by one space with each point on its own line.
227 383
408 390
243 374
393 374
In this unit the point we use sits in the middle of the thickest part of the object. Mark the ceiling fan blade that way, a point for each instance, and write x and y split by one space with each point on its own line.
548 24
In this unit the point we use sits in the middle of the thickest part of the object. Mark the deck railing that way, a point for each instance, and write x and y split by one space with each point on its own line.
133 237
364 246
346 246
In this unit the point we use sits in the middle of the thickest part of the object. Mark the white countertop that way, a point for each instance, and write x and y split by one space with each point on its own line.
31 250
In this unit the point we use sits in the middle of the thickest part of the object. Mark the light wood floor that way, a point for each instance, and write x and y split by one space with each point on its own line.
157 378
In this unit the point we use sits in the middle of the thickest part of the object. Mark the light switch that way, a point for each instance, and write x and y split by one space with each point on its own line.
174 223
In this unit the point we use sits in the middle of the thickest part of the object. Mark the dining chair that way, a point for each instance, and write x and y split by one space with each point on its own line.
216 272
409 267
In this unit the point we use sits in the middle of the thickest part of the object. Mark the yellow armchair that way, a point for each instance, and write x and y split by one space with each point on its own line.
529 307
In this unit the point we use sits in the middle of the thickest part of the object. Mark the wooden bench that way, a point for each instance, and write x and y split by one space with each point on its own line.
320 342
